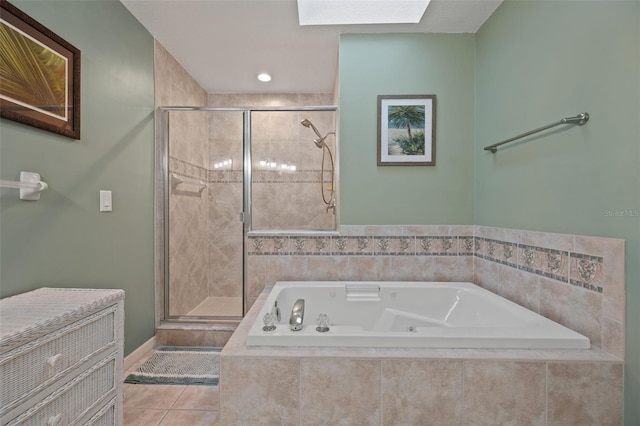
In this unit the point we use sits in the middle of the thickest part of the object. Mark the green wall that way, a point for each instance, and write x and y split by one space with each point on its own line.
62 240
532 63
406 64
540 61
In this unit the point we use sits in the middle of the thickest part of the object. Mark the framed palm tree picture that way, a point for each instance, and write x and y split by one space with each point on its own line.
40 74
407 130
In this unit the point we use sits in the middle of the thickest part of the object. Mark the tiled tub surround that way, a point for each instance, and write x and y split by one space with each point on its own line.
576 281
401 253
377 386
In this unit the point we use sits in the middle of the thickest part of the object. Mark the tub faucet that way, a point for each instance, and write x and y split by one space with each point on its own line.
297 315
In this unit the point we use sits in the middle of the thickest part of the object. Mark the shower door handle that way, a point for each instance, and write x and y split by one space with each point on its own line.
243 217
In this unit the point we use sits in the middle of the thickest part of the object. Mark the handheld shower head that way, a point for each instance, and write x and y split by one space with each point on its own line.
331 202
320 141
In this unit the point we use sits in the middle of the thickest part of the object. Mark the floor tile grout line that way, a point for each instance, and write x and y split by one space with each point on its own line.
184 388
163 417
192 409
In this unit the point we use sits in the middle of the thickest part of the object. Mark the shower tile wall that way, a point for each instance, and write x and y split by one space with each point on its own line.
281 199
188 151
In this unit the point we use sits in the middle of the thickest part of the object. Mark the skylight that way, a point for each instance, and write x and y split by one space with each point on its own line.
345 12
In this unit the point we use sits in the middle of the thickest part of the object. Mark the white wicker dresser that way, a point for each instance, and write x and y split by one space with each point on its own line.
61 355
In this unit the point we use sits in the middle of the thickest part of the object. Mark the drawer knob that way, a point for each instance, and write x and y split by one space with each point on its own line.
54 420
53 360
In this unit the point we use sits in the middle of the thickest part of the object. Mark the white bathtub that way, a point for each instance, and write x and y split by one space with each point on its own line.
408 315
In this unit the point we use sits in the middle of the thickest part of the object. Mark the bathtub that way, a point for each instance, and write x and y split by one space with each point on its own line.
407 315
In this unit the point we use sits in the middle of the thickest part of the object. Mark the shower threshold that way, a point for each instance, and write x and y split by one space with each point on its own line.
218 307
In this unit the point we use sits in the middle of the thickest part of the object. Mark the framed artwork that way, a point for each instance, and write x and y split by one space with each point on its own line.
40 75
407 130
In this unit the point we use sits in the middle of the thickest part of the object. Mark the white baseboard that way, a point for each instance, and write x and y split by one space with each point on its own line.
135 356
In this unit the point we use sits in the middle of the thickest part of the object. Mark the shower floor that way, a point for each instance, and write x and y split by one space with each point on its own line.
218 307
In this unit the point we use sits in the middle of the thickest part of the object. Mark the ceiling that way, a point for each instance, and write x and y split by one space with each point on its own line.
225 44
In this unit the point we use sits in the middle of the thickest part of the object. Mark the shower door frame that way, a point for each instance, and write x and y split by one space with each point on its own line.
245 215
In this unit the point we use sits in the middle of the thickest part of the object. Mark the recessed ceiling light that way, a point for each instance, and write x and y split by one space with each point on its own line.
346 12
264 77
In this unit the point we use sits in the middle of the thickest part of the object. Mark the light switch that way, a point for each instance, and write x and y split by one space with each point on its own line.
105 201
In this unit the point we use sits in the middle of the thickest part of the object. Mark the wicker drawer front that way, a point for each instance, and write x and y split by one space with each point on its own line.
105 417
69 403
29 368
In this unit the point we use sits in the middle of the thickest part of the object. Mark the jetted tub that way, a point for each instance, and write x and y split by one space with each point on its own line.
407 315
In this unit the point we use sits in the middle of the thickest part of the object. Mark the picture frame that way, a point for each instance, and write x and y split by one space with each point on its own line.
406 130
40 75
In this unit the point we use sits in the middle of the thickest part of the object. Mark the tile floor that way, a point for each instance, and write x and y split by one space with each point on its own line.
169 405
147 405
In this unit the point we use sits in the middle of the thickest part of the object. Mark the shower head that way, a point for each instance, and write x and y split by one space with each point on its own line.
320 141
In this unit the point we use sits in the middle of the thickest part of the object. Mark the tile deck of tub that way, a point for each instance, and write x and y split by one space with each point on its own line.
308 385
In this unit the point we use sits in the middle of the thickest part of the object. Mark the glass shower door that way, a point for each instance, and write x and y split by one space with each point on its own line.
231 171
205 235
226 233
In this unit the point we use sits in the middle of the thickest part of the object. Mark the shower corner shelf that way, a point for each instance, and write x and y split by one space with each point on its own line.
177 180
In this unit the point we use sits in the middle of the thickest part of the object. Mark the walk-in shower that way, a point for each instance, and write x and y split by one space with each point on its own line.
231 171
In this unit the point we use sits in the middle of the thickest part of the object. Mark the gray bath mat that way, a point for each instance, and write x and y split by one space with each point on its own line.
174 365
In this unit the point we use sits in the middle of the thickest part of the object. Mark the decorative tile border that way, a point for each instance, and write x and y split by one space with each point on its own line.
184 168
586 271
437 246
560 265
547 262
299 176
226 176
310 246
509 254
394 246
361 245
269 246
194 171
578 269
497 251
351 246
465 246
